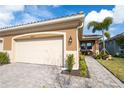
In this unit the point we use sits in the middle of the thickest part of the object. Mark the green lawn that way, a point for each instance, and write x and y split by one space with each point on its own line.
116 66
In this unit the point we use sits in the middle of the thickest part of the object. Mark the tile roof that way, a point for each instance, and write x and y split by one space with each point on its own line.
43 20
91 36
118 36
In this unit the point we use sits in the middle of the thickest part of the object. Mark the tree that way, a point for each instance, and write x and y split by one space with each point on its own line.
107 35
101 26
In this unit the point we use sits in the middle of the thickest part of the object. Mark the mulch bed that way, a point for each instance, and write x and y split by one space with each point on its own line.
74 73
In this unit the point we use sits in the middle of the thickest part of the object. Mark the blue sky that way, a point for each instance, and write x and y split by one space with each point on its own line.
13 15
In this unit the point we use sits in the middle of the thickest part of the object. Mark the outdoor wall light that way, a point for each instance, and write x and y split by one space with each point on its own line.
70 40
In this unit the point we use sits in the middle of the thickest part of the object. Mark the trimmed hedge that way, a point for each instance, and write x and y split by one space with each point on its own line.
4 58
82 66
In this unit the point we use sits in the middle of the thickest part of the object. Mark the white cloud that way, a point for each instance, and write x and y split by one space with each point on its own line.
5 18
28 15
11 8
6 14
98 16
118 13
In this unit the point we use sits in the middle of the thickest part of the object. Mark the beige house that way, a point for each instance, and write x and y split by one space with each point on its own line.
44 42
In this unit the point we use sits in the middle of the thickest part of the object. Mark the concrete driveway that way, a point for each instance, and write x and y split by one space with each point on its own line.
22 75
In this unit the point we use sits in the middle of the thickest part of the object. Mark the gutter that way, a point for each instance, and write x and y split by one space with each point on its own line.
79 27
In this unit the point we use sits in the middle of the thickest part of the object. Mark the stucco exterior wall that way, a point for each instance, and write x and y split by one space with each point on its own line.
7 43
96 49
70 48
69 32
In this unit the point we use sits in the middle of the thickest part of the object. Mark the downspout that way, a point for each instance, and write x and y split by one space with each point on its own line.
77 53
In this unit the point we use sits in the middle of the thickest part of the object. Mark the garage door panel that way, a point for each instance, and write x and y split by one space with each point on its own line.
1 46
41 51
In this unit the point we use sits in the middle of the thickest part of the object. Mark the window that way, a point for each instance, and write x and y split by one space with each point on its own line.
121 46
89 45
83 46
122 52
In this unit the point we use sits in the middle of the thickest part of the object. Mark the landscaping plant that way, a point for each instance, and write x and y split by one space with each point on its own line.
82 66
107 35
101 26
70 62
103 55
4 58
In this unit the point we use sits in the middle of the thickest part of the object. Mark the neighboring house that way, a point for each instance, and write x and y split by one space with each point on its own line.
44 42
115 45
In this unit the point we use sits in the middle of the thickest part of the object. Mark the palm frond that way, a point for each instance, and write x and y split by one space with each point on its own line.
94 30
107 22
92 24
95 26
100 25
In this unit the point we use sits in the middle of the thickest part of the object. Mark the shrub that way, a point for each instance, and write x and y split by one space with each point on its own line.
104 55
4 58
81 57
98 56
82 66
70 62
94 56
121 55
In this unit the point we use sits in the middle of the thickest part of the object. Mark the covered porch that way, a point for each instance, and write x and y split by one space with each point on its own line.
90 44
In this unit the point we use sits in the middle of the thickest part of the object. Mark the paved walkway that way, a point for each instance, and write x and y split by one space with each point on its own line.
100 76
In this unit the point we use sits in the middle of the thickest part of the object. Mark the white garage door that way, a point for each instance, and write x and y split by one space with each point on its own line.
1 46
41 51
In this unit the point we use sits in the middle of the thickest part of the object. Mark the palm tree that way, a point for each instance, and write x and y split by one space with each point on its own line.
101 26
